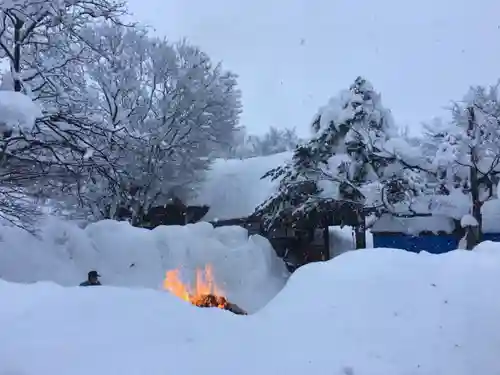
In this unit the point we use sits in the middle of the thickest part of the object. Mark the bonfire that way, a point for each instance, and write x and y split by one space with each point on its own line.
204 293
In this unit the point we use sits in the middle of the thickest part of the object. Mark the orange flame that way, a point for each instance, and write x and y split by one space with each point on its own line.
204 293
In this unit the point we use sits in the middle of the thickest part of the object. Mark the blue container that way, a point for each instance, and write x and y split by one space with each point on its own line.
434 244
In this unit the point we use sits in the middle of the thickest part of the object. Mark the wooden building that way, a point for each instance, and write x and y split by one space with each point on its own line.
234 189
301 242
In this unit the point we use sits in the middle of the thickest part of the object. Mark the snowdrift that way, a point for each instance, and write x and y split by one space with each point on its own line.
369 312
247 269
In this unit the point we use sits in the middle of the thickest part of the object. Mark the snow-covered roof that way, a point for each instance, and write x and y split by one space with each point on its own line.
441 221
234 188
413 225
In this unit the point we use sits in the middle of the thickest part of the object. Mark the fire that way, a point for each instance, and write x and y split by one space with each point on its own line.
204 293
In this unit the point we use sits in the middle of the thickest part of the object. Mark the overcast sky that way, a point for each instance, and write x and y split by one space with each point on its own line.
292 55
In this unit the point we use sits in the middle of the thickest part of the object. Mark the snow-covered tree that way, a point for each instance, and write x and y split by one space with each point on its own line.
40 37
457 165
468 157
342 157
17 112
43 43
176 107
274 141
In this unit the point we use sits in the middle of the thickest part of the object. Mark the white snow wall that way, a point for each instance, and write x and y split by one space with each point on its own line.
247 269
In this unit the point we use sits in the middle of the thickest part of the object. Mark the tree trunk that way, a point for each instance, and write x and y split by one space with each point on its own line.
16 64
476 204
474 181
326 243
471 237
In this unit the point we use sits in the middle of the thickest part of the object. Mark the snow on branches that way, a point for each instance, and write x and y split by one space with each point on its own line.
342 157
126 118
175 106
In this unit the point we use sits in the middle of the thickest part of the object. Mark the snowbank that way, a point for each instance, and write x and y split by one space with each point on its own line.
247 269
368 312
234 188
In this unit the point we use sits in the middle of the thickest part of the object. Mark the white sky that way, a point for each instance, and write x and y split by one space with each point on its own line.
292 55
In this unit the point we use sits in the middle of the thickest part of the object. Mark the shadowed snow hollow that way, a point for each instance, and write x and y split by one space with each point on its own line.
369 312
246 269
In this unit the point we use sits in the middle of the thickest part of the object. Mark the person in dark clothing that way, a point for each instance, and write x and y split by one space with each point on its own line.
93 279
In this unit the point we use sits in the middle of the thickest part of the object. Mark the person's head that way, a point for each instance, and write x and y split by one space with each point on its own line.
93 277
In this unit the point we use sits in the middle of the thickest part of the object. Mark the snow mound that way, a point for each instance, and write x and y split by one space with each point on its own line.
468 221
247 269
376 312
17 111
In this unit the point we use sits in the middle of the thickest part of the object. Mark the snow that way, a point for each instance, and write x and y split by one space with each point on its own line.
234 188
352 315
342 239
343 108
336 111
491 216
413 225
444 209
17 111
468 221
247 269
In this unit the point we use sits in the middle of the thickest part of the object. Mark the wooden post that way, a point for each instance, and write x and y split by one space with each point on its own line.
360 231
326 242
471 236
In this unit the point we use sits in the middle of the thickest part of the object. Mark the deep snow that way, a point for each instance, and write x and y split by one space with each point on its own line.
247 269
368 312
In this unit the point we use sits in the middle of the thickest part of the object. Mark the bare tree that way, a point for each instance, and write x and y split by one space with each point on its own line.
175 108
459 165
44 43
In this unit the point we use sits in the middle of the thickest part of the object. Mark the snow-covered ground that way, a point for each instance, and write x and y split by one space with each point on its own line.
247 269
368 312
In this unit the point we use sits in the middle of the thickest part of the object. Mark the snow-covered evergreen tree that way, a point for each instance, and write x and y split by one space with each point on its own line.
344 154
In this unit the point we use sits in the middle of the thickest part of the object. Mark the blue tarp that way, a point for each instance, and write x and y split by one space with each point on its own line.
434 244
